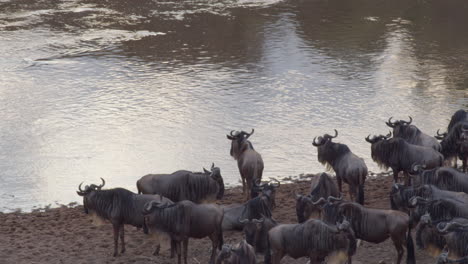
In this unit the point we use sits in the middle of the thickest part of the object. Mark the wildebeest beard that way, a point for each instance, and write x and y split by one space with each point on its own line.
386 152
330 153
428 232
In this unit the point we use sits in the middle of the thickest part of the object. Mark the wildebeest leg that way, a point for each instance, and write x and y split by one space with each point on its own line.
116 238
122 238
173 248
277 256
464 164
249 189
178 250
395 176
339 181
407 179
214 237
352 193
398 243
243 184
185 249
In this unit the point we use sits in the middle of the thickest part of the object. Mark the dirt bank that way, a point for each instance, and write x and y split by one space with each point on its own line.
66 235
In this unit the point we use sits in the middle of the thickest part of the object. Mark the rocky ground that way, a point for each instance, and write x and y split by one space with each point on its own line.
67 235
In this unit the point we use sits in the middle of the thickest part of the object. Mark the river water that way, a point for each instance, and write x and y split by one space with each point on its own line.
118 89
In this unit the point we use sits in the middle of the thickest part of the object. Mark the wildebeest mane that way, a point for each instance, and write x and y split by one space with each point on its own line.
442 210
112 203
173 219
330 152
387 152
323 234
459 116
194 188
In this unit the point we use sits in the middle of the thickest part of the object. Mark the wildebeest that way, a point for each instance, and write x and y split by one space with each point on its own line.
266 190
256 232
242 253
401 195
249 161
185 185
412 134
117 205
428 237
252 209
374 225
455 143
184 220
456 236
436 237
443 259
313 239
400 155
439 210
322 186
444 178
348 167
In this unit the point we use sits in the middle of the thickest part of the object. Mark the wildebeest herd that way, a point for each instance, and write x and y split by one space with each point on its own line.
432 199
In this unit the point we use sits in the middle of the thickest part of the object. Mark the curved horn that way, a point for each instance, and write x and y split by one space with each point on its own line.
101 185
410 120
231 133
396 186
336 133
333 199
317 144
79 187
249 134
243 221
258 221
415 200
390 123
388 135
149 206
368 139
443 229
277 185
320 201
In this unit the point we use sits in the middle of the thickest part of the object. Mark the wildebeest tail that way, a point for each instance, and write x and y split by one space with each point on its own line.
267 259
410 258
361 194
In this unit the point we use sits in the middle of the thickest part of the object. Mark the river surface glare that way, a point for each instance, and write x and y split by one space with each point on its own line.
119 89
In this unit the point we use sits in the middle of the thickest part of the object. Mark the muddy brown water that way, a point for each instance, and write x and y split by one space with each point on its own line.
118 89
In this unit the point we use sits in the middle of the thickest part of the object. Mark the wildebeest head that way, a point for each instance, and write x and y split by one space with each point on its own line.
252 229
87 192
397 201
440 136
383 148
215 174
330 209
402 127
398 122
447 227
266 189
418 206
327 150
239 142
306 208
